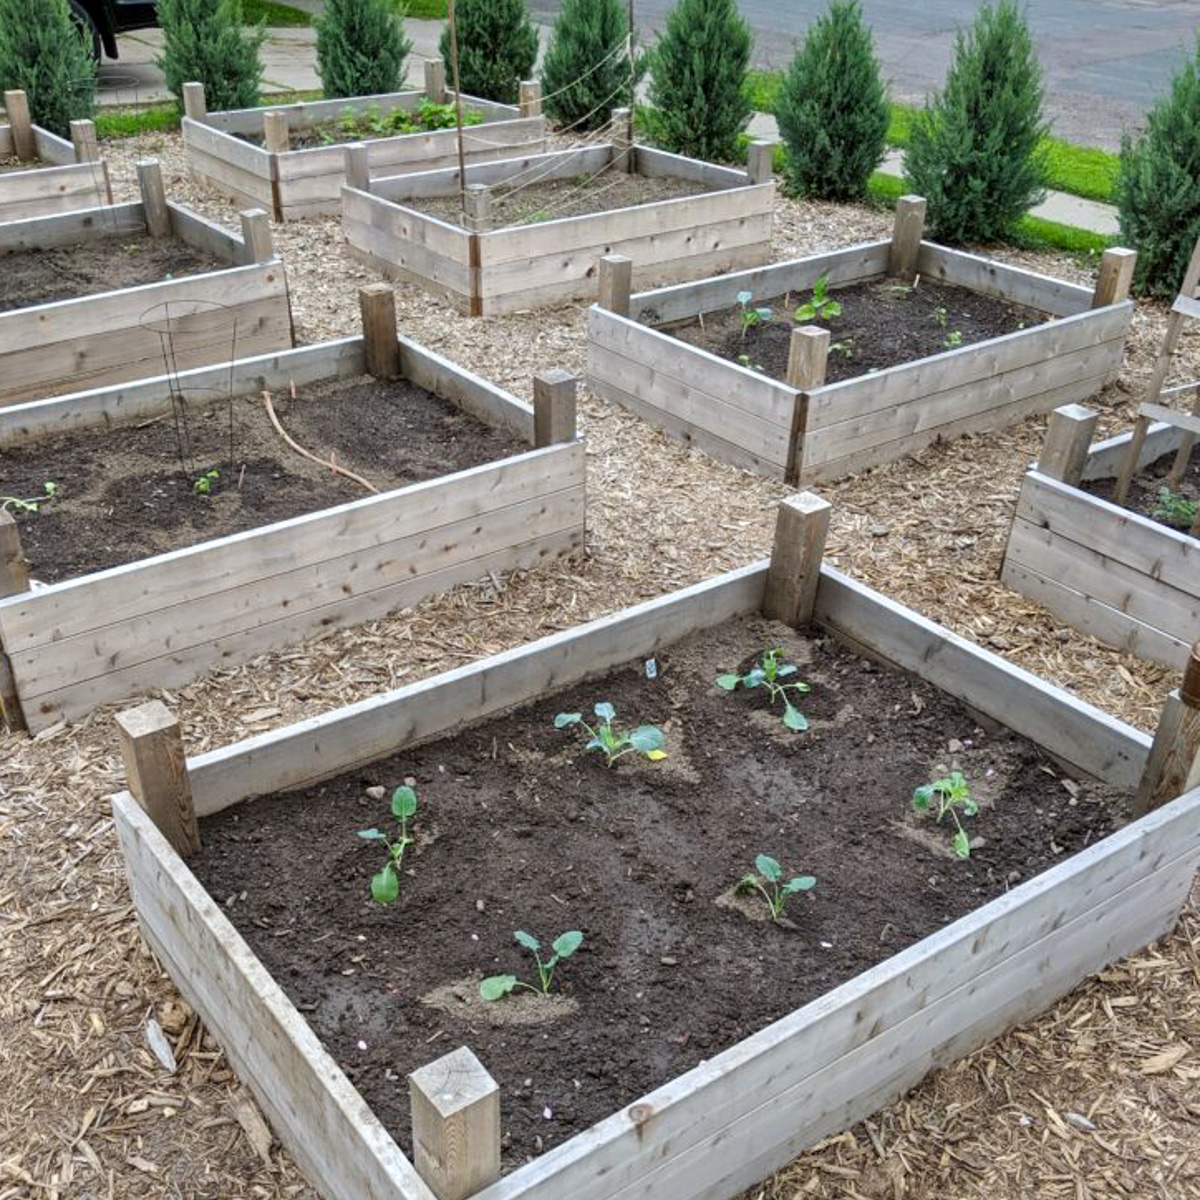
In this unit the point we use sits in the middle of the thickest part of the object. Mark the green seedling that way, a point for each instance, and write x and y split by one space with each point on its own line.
950 795
953 339
769 672
844 348
750 315
822 306
385 885
645 739
15 504
940 315
495 987
1175 510
205 484
768 873
745 361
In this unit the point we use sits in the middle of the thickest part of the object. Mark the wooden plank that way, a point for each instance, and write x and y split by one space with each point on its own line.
239 185
437 272
655 163
1171 416
329 744
207 236
992 278
25 194
1187 306
1052 718
226 148
1104 458
156 772
405 225
67 229
334 1137
685 300
1065 447
51 148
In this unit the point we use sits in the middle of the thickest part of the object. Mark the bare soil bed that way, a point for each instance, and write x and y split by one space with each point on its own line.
882 323
67 272
1143 495
338 133
519 828
129 493
538 202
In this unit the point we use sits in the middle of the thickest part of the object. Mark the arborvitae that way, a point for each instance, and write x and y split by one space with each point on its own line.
44 52
974 151
585 74
361 47
832 109
1158 187
697 80
497 47
204 41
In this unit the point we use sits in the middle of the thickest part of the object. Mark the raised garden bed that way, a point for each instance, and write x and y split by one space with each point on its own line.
41 173
931 343
1114 571
537 225
277 156
750 1040
157 570
63 330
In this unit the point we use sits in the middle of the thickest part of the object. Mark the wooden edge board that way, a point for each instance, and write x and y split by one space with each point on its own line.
1186 422
680 166
51 148
60 229
1104 458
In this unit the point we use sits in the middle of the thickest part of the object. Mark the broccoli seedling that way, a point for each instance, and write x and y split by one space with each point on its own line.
15 504
1175 510
767 673
205 484
949 796
385 885
645 739
822 306
751 316
497 986
769 874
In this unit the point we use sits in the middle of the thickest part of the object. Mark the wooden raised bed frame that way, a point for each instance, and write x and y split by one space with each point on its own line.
291 184
110 337
72 174
163 621
1120 576
805 431
483 271
737 1117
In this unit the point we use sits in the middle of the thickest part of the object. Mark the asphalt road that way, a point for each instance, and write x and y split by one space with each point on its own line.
1105 61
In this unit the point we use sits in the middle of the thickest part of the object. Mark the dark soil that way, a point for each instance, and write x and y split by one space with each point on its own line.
43 276
883 323
518 828
331 133
1144 489
123 494
538 202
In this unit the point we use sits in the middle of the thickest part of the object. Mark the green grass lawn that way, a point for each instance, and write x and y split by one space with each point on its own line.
428 10
164 117
274 14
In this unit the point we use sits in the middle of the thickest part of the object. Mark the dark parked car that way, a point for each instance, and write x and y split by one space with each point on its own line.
104 19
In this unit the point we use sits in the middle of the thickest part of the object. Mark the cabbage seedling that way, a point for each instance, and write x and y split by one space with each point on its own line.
385 886
751 316
822 306
768 873
497 986
645 739
949 795
768 672
17 505
204 485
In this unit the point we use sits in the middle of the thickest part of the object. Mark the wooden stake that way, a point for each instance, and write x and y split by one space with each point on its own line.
154 197
455 1125
381 346
256 233
531 98
1115 277
83 138
553 408
458 114
16 103
276 136
622 139
435 80
14 570
477 207
195 104
760 162
1173 766
800 529
907 231
616 283
808 356
1068 439
357 166
156 770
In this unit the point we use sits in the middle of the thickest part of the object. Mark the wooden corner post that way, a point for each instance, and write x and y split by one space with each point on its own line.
477 207
14 580
83 138
801 526
553 408
277 137
381 346
760 161
435 80
1115 277
455 1125
624 153
616 283
530 98
256 234
16 104
1068 438
808 357
907 232
1173 766
357 166
156 771
195 103
154 197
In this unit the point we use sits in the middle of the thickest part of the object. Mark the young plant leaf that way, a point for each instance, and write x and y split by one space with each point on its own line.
962 844
527 940
745 297
768 868
404 802
371 835
656 755
793 718
923 797
567 943
728 682
565 719
799 883
605 711
385 886
646 738
495 987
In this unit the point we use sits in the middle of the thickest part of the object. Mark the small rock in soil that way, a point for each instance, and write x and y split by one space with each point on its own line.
376 793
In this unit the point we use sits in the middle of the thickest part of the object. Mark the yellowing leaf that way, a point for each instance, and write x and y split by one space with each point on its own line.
655 755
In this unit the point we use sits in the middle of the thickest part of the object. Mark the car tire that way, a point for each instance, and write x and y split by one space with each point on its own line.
90 32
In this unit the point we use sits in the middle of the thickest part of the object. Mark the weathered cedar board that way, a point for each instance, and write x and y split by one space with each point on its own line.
44 191
765 426
735 1118
162 621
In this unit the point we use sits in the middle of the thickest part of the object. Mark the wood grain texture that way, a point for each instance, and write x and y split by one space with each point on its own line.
156 772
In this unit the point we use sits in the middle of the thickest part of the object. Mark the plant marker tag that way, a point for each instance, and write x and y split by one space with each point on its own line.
651 668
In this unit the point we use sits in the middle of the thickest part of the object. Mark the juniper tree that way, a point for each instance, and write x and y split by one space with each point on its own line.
832 110
45 52
361 47
585 75
497 47
205 41
974 152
